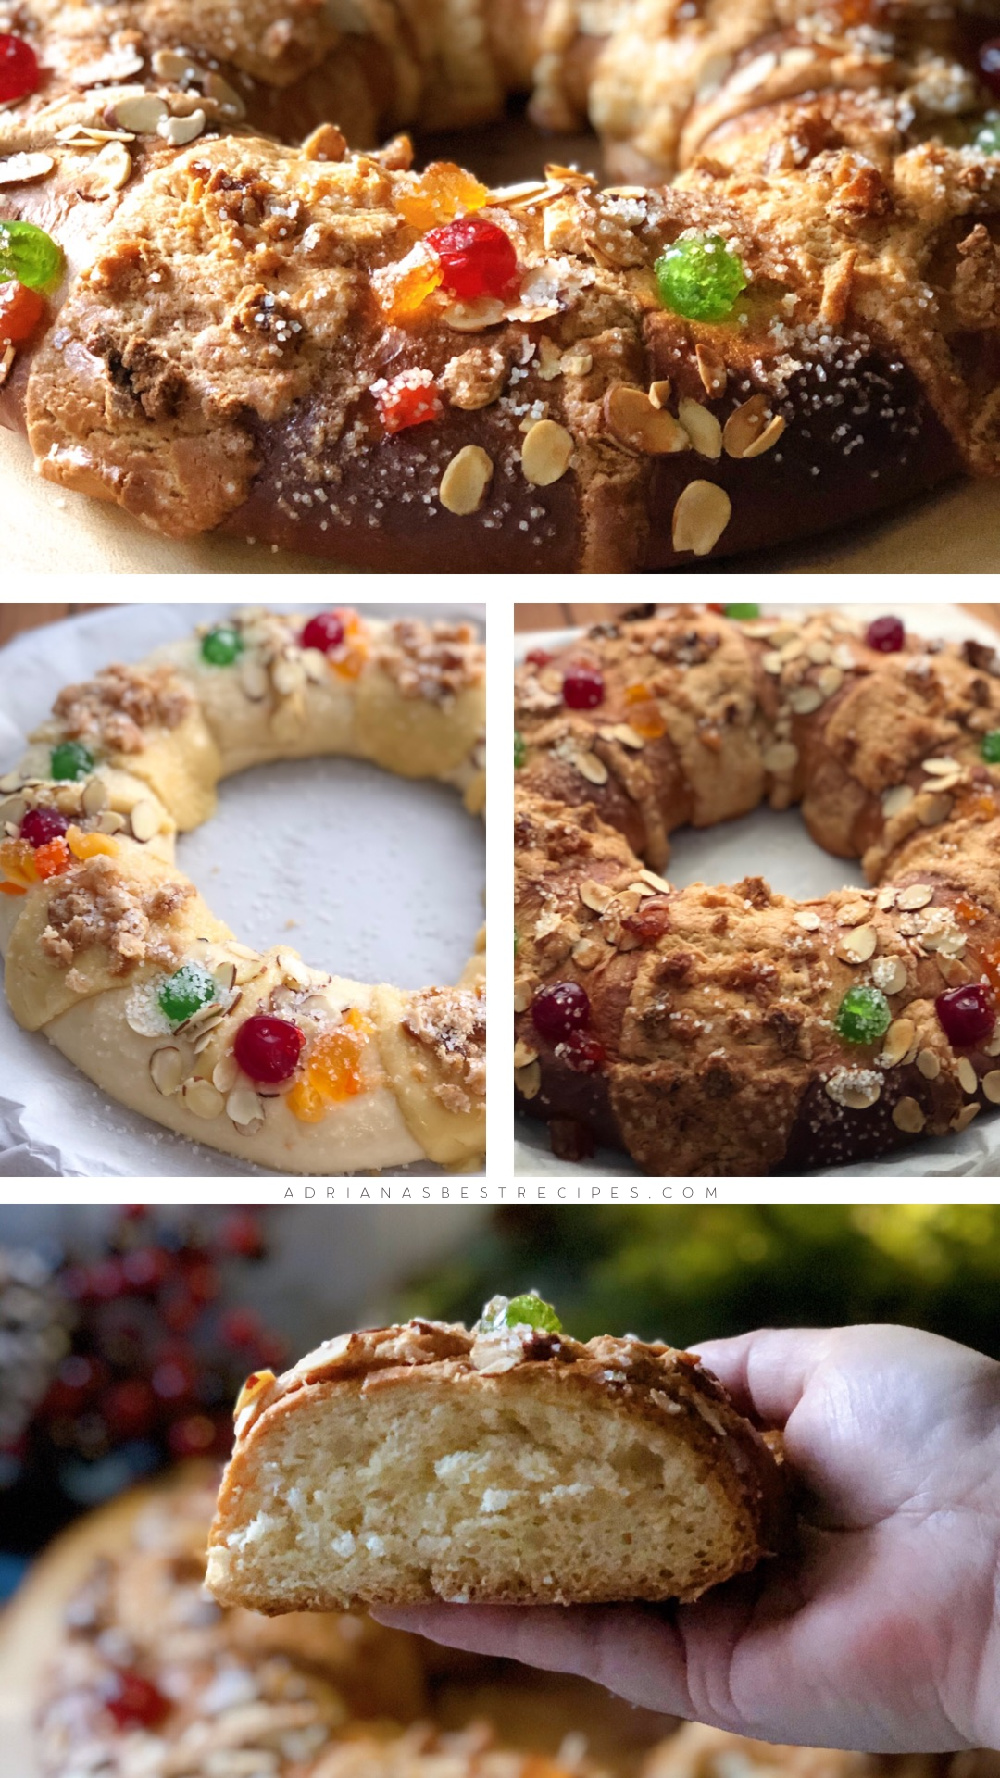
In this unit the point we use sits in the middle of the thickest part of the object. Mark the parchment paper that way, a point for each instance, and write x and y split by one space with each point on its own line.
778 847
363 873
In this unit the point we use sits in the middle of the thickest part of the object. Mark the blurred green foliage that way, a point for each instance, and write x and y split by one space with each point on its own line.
690 1273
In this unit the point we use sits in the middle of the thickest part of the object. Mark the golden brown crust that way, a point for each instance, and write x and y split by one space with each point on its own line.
223 334
716 1007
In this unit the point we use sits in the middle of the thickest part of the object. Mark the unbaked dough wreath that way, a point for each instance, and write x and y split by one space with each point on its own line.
733 1030
112 952
325 350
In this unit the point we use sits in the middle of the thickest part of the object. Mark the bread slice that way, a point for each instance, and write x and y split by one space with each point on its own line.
425 1461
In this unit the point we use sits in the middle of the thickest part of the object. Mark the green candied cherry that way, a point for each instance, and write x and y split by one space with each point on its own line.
700 278
222 646
520 751
864 1015
742 611
70 762
185 992
30 255
987 137
519 1311
990 747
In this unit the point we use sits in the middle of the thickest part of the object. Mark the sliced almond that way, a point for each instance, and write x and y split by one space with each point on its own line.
898 1039
842 656
245 1108
225 975
711 369
166 1067
772 662
23 169
659 392
226 97
658 883
111 170
201 1097
522 993
528 1080
111 821
942 767
857 1091
595 895
590 767
175 64
770 436
918 895
967 1075
701 426
635 422
890 975
471 316
577 364
859 945
991 1086
929 1064
700 516
805 699
932 810
546 453
94 797
853 913
116 65
829 681
745 425
908 1117
818 652
465 481
179 131
624 733
886 899
255 679
965 1118
140 112
808 920
780 757
145 820
897 799
524 1054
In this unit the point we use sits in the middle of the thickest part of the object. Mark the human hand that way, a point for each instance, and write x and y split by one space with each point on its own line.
881 1631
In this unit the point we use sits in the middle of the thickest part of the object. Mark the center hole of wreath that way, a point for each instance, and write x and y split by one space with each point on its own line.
766 843
365 874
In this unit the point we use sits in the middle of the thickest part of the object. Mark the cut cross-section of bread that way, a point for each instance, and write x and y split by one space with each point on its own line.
422 1461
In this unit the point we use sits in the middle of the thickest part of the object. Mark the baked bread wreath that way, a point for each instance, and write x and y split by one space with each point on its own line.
113 954
323 349
508 1463
733 1030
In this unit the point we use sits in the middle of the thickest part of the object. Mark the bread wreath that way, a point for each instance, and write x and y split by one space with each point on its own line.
97 922
706 1029
260 339
508 1464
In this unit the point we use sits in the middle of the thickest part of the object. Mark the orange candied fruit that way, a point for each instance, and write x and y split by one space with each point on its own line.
18 862
53 858
401 289
644 715
353 652
979 806
969 911
332 1070
441 192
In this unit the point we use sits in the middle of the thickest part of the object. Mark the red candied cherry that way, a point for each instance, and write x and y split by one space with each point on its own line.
560 1010
19 73
583 1053
989 64
966 1015
325 631
583 687
537 657
21 310
39 826
887 635
268 1049
477 257
134 1702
